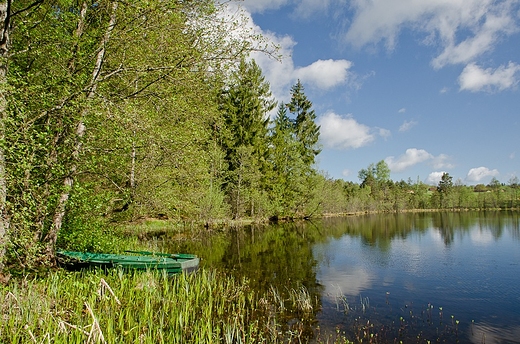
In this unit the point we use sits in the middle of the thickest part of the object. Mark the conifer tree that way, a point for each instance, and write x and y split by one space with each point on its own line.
286 164
245 105
306 130
302 150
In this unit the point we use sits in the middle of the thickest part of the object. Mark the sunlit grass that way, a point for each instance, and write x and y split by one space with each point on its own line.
115 307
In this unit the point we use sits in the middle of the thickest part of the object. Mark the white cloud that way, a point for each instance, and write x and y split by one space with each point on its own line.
407 125
479 173
411 157
441 161
414 156
259 6
465 29
384 133
346 173
434 178
488 24
474 79
402 110
343 132
308 8
303 8
324 74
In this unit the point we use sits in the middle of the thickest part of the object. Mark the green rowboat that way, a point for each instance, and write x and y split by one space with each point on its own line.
135 260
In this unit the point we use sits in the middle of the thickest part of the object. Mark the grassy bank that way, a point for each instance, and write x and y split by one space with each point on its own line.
116 307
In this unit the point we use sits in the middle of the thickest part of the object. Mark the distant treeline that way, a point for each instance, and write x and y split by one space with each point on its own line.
377 193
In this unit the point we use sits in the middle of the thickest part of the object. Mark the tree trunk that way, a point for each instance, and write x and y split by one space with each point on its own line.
132 168
5 9
68 182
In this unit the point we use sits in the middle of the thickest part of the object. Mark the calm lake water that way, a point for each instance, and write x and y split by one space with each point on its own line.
442 277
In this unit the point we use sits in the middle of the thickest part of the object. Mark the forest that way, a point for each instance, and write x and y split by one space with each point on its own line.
115 111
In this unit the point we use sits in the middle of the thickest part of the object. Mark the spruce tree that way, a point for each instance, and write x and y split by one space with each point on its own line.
286 164
306 130
245 104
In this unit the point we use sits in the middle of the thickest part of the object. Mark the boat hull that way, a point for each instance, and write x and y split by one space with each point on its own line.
138 260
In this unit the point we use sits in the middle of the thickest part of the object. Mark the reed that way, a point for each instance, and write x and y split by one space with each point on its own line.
112 307
365 303
341 300
301 300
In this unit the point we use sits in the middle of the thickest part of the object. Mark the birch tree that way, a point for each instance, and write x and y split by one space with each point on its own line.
5 17
68 181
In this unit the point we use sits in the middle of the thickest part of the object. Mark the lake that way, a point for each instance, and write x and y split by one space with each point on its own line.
439 277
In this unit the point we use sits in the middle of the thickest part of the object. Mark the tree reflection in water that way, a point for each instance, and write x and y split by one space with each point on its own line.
407 265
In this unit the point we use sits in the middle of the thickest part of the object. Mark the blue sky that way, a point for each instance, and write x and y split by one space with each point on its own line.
429 86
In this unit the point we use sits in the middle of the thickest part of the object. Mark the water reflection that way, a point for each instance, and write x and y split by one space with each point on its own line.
488 333
465 264
416 270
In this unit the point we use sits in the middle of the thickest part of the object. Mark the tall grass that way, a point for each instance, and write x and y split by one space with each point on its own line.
116 307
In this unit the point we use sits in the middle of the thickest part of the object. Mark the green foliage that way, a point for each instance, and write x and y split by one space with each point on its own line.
307 132
445 184
245 103
48 72
377 179
480 188
86 228
126 109
293 148
287 169
330 196
445 188
375 175
514 187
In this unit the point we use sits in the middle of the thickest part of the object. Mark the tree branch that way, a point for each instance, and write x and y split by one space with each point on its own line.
36 3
